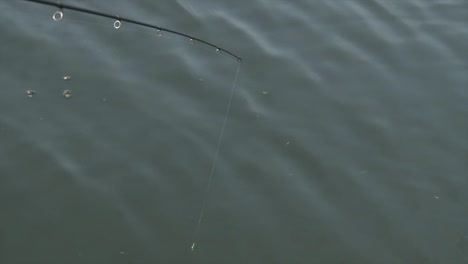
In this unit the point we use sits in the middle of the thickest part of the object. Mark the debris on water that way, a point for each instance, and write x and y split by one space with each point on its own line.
30 93
122 252
265 92
67 94
66 78
287 143
437 197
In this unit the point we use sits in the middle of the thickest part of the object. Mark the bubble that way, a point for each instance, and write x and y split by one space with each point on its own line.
67 94
30 93
66 78
159 33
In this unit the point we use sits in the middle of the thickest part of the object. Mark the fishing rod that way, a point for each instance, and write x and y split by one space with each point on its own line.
59 15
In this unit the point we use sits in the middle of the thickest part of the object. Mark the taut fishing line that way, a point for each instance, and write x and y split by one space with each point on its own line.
118 23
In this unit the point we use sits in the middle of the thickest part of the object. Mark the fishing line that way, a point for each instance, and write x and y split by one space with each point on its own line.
59 15
215 159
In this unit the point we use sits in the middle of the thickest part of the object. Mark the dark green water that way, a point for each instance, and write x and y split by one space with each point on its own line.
347 140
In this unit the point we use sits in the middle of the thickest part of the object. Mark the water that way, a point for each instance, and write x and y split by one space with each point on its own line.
346 141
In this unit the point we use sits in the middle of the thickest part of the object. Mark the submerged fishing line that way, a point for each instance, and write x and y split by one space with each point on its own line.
59 15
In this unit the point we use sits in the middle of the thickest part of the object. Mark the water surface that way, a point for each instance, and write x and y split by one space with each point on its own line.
346 141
